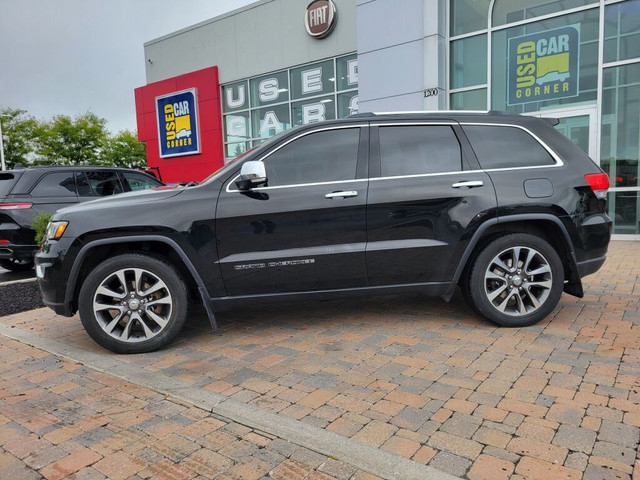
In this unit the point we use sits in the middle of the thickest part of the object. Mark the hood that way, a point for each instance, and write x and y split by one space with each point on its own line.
123 200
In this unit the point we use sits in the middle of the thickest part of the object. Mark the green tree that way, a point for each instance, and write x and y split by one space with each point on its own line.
67 141
124 150
19 136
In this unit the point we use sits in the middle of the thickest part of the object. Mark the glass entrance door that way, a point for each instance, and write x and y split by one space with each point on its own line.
579 125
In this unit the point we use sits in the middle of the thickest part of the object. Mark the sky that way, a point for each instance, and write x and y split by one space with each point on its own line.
67 57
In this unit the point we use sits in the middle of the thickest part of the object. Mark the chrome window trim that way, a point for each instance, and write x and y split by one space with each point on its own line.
303 134
559 162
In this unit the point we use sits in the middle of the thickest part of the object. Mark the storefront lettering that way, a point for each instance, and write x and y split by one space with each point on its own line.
312 81
177 123
270 122
269 89
352 72
238 101
313 113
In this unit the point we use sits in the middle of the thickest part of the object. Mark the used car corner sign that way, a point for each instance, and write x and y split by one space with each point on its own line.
321 18
178 123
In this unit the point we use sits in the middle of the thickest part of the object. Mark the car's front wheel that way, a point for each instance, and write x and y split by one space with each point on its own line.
516 280
133 303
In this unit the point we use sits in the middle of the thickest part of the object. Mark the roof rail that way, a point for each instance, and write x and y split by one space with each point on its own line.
418 112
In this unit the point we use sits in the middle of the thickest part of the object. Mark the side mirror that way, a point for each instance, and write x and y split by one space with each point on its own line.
252 174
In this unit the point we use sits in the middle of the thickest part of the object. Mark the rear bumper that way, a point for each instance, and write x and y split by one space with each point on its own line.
17 252
588 267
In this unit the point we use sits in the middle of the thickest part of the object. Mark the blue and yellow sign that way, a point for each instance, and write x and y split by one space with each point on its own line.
178 123
543 66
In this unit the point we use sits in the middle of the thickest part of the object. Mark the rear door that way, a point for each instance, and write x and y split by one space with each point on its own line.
425 197
93 184
306 230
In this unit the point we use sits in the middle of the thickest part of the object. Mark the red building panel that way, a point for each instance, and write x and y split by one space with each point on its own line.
184 168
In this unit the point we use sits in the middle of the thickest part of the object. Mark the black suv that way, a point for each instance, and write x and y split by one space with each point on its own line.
27 192
502 205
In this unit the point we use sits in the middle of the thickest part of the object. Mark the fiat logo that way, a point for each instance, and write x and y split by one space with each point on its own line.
320 18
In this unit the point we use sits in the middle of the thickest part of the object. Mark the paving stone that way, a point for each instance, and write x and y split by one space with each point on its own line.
487 467
450 463
620 434
596 472
575 438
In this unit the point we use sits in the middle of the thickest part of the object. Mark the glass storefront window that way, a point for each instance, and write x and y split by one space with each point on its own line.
468 61
269 121
468 16
622 31
269 89
255 109
510 11
312 80
347 69
469 100
348 104
620 144
235 96
321 109
556 66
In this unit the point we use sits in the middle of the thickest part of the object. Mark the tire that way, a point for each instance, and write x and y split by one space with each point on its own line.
15 265
139 320
515 293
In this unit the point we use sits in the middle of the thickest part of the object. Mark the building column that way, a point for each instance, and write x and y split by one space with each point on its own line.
401 55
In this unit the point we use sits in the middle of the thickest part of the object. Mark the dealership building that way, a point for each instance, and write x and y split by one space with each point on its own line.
218 88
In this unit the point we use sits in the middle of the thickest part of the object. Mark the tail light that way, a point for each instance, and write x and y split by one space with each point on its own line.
3 241
15 206
599 183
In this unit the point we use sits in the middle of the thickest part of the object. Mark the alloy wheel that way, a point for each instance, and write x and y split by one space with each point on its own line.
518 281
132 305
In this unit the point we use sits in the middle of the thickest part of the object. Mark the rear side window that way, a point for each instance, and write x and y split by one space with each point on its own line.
415 150
506 147
139 181
98 183
7 181
56 184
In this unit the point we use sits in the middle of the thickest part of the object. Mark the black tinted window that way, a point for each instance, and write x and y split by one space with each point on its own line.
506 147
98 184
139 181
7 180
326 156
414 150
56 184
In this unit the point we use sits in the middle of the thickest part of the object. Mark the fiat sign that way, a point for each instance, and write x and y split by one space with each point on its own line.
320 18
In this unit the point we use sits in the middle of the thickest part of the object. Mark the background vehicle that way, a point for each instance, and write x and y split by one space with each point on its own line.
504 206
25 193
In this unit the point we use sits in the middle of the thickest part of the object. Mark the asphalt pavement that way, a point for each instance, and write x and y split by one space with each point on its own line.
18 292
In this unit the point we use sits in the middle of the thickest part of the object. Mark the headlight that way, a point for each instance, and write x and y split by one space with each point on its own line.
55 230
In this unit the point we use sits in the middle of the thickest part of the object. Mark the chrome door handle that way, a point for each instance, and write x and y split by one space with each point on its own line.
471 184
350 193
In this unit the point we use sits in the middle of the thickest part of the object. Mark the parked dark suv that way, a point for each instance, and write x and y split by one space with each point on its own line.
27 192
504 206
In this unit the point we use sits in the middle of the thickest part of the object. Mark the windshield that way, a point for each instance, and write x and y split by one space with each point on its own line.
232 163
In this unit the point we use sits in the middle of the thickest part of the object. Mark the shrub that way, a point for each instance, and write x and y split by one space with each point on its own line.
39 224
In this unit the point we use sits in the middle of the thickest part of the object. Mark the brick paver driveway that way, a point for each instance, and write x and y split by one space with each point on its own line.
430 381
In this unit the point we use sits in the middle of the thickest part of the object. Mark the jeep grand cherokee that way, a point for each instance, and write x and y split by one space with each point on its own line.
503 206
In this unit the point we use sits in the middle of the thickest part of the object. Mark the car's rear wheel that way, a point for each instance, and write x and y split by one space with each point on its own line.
133 303
16 265
516 280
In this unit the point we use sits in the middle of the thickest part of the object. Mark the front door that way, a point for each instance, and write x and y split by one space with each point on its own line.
306 229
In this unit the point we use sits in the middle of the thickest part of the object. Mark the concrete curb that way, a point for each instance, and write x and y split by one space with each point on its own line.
378 462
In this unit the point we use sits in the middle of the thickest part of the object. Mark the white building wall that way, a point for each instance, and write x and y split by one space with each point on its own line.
401 54
262 37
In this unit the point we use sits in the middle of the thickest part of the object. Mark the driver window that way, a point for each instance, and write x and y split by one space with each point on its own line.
326 156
